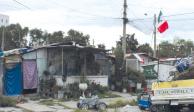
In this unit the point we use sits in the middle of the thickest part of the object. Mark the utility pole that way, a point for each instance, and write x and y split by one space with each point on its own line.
3 38
125 20
155 35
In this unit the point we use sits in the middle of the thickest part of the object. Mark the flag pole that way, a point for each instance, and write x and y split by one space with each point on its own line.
155 19
155 35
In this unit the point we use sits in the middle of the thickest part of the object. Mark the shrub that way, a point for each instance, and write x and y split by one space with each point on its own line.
47 102
7 102
121 103
78 110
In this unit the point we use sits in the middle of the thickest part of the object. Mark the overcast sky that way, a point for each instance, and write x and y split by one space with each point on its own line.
100 18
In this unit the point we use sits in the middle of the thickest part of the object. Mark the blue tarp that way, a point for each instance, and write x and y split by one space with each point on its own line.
13 81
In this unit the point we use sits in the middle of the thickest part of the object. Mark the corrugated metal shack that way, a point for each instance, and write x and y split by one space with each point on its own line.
65 63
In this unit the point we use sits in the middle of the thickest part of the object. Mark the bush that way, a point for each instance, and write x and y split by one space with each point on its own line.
121 103
78 110
133 103
47 102
74 91
7 102
93 88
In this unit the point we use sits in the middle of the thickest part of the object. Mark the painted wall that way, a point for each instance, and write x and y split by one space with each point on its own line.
41 57
4 20
102 80
164 71
41 61
30 55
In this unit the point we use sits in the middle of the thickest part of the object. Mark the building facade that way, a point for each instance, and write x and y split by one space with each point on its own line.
4 20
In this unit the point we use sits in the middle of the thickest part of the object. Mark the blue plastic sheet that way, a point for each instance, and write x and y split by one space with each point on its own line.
13 80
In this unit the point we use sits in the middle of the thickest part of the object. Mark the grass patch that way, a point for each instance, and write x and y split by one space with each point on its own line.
66 107
107 95
121 103
47 102
78 110
51 102
133 103
7 102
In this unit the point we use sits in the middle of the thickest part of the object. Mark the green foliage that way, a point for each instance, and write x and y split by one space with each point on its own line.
101 46
122 103
38 36
167 49
133 102
74 91
145 48
55 37
107 95
95 89
14 36
179 48
78 37
136 76
47 102
131 43
7 102
78 110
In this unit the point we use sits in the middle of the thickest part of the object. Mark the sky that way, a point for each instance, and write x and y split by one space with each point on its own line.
101 18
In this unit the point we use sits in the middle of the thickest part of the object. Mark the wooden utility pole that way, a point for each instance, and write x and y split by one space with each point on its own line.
155 35
125 20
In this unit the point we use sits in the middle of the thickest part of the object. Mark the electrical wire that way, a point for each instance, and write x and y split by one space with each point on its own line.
22 4
142 22
82 12
167 16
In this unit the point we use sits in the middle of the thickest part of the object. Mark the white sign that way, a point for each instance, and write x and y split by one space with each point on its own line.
174 91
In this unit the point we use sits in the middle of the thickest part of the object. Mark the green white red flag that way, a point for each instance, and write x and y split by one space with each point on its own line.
162 23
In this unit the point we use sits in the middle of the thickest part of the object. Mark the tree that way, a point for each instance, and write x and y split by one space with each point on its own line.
38 36
166 50
14 36
183 47
131 43
55 37
78 37
119 58
101 46
145 48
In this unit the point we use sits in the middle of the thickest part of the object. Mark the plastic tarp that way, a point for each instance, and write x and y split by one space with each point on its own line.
13 80
30 75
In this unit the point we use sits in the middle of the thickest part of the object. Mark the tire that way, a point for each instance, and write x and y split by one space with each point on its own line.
141 108
84 106
78 105
101 106
154 108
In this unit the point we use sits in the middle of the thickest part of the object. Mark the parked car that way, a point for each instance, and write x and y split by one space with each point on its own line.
94 102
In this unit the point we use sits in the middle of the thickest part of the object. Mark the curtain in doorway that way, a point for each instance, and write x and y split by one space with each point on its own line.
30 75
13 80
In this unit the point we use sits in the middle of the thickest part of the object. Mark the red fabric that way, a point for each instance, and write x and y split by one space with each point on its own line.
163 26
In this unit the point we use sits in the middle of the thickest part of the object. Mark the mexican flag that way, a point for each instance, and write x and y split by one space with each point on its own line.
162 24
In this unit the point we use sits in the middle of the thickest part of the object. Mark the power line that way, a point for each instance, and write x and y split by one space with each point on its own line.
141 22
22 4
180 14
82 12
167 16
